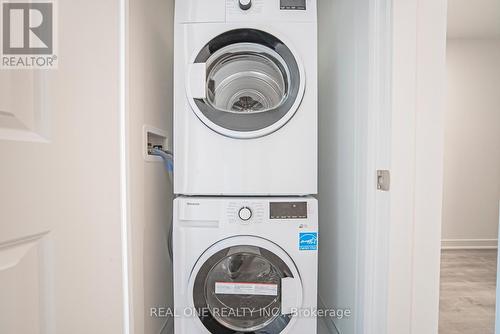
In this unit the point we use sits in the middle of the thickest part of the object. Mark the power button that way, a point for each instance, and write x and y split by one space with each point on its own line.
245 213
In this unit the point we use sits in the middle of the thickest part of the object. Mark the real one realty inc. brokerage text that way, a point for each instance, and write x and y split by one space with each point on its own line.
166 312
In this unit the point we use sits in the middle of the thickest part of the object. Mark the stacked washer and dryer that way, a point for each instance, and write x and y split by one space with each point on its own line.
245 227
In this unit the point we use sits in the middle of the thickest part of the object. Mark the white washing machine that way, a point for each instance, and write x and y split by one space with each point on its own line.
245 109
245 265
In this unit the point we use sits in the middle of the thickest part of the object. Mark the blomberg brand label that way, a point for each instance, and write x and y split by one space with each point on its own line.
28 34
257 289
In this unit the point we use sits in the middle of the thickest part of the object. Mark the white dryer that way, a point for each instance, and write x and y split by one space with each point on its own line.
245 265
245 110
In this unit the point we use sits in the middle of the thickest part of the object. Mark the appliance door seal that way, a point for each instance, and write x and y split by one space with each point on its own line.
253 83
245 284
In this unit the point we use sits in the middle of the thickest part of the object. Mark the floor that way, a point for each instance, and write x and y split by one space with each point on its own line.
468 285
322 328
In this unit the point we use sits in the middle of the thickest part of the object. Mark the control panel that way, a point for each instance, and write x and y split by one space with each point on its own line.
205 11
271 10
246 212
219 212
257 212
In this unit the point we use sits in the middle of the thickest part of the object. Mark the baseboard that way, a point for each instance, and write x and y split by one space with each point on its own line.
469 243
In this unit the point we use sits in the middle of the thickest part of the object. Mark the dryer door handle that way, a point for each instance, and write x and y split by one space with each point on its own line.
289 295
197 76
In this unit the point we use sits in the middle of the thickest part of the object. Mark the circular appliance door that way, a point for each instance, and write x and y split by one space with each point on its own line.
242 287
245 83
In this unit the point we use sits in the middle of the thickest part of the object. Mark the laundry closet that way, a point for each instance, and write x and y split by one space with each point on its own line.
242 121
255 173
252 158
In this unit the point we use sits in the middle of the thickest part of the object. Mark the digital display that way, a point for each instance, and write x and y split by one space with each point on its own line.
288 210
293 4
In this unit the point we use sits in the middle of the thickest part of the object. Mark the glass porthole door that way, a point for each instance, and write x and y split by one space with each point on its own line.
242 288
245 83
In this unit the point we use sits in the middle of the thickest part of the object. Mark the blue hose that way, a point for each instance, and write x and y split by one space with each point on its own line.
167 156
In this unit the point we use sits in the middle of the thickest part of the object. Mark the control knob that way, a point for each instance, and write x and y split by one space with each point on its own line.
245 213
245 4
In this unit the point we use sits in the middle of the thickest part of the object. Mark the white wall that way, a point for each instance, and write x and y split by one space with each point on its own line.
342 130
472 143
337 228
150 103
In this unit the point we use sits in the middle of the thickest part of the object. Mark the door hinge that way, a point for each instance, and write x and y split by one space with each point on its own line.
383 180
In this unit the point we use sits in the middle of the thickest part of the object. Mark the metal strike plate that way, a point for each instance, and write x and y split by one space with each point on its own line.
383 180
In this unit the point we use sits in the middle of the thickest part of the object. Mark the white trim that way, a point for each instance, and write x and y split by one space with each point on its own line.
402 192
469 243
149 129
124 167
374 234
418 63
429 125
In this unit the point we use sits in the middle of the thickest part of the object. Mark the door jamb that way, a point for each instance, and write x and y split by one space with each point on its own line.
400 235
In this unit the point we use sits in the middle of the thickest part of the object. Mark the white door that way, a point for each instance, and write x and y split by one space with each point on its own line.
60 220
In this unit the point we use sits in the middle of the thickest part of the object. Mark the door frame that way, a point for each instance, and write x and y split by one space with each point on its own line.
400 235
